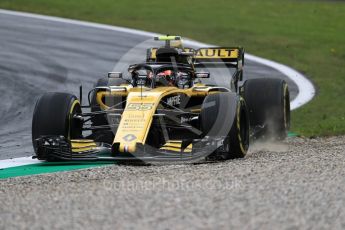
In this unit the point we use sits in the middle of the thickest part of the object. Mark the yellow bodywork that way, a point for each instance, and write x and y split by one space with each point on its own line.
141 105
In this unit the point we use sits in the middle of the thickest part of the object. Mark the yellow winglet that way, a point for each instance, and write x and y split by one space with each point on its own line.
176 146
82 145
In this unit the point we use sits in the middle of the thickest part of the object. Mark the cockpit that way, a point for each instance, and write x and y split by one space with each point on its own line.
153 76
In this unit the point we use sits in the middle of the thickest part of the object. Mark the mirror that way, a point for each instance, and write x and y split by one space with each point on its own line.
187 53
142 76
114 75
202 74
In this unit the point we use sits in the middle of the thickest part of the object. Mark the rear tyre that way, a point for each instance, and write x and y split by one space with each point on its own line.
225 115
268 103
106 136
53 115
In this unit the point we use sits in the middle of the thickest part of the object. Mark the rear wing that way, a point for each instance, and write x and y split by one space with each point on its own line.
230 56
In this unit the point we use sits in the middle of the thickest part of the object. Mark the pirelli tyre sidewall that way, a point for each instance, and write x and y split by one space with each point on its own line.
53 116
225 115
238 139
268 102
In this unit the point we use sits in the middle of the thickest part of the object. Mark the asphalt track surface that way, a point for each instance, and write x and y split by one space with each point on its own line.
38 56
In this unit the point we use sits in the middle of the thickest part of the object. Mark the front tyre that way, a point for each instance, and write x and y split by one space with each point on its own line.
225 115
237 143
53 116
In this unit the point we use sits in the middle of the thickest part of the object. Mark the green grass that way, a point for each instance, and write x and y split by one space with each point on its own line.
307 35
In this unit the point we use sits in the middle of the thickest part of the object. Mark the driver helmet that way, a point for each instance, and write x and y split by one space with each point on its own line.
182 80
166 76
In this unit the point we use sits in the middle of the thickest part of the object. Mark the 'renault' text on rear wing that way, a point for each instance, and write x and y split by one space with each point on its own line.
229 56
232 56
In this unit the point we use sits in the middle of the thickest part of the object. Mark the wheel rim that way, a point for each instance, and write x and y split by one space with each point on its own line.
74 130
244 130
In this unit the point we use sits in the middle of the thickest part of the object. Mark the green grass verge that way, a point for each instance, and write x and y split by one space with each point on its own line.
307 35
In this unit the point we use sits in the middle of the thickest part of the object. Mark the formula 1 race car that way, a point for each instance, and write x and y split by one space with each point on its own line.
163 111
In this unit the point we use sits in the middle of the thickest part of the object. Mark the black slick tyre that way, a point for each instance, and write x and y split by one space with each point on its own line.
53 116
268 103
225 115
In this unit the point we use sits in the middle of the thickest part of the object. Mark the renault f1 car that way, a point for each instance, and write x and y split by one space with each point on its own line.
163 111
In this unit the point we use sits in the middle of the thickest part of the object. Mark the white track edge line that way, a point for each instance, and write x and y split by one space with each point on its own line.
20 161
306 90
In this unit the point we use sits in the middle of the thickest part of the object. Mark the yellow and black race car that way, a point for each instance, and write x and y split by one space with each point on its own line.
163 111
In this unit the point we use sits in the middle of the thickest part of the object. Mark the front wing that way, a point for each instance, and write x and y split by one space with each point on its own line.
57 148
